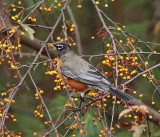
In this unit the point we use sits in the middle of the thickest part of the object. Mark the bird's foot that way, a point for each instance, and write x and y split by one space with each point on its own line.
82 98
79 109
76 109
75 96
87 92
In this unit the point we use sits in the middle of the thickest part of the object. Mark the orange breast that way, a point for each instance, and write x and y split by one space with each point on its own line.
78 86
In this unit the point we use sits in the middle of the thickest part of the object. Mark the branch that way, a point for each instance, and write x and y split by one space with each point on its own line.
35 45
152 112
78 39
15 89
139 74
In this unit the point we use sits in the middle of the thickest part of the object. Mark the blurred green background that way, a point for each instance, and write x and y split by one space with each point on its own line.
141 18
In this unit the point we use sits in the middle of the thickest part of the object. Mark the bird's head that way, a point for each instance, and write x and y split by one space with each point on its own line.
62 48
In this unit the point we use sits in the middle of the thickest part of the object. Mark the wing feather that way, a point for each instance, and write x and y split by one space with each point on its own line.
90 75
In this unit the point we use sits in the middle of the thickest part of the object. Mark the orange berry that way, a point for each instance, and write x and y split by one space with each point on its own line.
153 103
132 40
19 2
108 45
79 6
13 18
95 124
45 64
76 99
74 44
144 75
83 123
14 120
18 21
150 117
146 63
41 91
127 58
45 122
128 77
49 122
45 9
22 33
73 26
49 9
35 133
14 9
134 92
12 5
106 5
59 4
92 37
121 41
129 115
15 76
108 96
7 117
41 116
119 29
34 20
121 57
13 101
71 29
81 131
118 102
58 38
97 2
135 117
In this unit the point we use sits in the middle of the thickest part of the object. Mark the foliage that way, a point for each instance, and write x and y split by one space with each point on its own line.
34 100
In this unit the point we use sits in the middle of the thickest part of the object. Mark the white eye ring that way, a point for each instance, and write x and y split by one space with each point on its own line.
60 46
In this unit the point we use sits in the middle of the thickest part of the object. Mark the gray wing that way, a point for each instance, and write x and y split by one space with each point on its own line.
88 75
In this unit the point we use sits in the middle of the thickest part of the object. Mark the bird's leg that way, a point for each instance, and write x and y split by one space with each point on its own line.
80 104
82 95
75 97
82 99
79 107
87 92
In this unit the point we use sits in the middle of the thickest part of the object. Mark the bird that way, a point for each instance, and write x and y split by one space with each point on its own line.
81 75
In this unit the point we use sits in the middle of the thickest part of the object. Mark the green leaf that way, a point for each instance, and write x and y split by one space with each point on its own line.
29 31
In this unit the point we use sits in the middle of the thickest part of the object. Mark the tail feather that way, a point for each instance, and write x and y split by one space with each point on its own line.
115 91
120 94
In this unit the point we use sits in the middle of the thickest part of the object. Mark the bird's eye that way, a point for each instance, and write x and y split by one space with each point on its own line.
60 46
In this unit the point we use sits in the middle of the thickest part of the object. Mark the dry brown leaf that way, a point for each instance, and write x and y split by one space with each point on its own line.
157 28
126 111
138 130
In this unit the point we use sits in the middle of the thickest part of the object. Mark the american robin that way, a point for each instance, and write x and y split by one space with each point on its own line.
82 76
